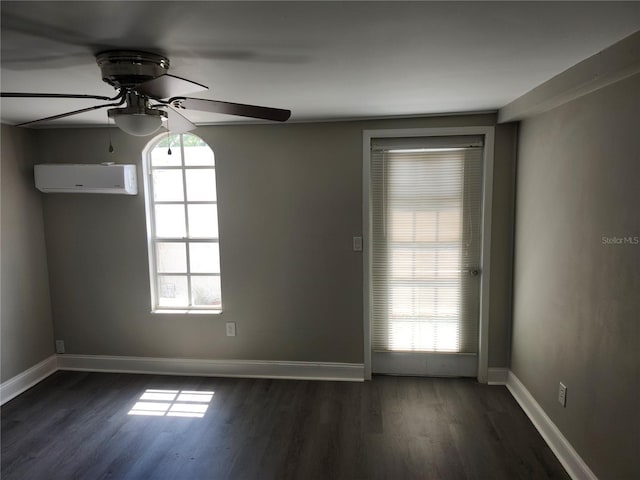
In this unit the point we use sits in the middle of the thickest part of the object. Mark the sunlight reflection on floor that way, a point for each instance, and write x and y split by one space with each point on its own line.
172 403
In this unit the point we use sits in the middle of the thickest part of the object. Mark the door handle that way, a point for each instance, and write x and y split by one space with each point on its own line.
474 272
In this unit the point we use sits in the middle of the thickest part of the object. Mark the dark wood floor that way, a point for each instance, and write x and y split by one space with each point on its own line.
77 425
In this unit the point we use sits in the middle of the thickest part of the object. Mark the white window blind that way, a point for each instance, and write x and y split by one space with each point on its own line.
426 238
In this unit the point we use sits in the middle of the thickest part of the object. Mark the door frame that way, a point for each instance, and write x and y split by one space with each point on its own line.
485 257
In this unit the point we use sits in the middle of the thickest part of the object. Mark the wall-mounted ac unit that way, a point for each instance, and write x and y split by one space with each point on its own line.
83 178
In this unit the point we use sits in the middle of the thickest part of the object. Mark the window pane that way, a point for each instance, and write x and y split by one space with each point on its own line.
203 221
171 257
172 291
427 263
402 335
167 185
448 301
170 221
450 224
198 155
206 291
424 300
160 154
401 301
426 225
400 225
401 265
449 265
204 257
448 335
201 185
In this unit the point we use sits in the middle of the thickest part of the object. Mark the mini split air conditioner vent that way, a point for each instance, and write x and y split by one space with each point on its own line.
83 178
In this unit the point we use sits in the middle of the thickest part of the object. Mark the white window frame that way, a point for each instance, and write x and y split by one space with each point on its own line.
152 239
485 260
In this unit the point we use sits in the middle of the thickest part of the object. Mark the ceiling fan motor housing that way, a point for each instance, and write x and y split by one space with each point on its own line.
129 68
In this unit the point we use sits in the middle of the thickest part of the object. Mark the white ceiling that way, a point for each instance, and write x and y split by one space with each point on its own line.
322 60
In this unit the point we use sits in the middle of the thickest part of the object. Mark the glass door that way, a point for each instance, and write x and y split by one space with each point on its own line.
426 246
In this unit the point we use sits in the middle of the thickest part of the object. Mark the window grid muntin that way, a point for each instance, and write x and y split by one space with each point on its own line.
186 239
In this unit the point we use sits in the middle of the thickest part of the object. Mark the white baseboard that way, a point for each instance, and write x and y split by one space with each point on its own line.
27 379
571 461
215 368
497 376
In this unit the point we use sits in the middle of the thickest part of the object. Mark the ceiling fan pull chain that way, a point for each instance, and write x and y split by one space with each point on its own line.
111 149
169 137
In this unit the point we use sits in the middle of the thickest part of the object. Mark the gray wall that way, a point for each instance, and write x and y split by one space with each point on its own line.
577 301
506 142
290 199
26 328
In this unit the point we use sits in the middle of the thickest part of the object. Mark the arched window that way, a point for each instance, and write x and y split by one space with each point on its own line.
182 224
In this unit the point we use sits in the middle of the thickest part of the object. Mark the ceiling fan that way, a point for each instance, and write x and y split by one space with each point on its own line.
147 95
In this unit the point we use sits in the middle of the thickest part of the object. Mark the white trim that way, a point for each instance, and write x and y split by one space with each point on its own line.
497 376
617 62
214 368
366 118
366 248
153 239
241 122
487 204
27 379
202 311
559 445
149 217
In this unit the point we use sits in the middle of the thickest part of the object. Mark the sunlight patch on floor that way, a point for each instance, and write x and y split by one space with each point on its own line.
172 403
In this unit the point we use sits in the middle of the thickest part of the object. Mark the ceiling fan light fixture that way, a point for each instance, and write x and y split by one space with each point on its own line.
137 123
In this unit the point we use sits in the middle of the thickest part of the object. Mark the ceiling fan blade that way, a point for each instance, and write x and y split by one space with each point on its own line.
166 86
178 123
39 29
239 109
68 114
21 61
54 95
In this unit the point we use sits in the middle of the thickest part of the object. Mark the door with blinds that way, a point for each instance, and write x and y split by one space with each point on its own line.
425 254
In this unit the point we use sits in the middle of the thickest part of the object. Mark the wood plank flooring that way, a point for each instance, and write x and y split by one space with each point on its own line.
76 425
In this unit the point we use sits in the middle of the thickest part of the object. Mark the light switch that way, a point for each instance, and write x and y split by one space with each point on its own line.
357 244
231 329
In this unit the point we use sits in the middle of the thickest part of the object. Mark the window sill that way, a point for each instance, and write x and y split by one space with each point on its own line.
165 311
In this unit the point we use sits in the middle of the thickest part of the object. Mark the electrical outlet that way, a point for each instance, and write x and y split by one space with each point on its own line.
231 329
59 346
562 394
